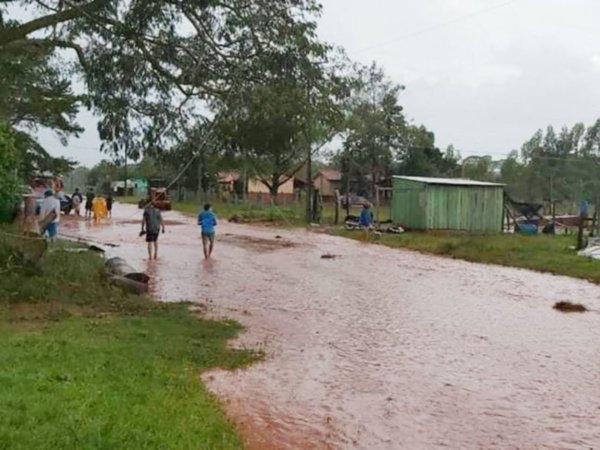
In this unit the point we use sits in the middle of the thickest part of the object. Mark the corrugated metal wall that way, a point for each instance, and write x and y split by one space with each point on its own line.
409 203
446 207
472 208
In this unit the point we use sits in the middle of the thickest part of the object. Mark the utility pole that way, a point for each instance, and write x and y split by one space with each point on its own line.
309 185
125 191
347 166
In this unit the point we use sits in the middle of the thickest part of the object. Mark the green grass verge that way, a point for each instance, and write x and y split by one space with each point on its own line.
288 215
542 253
84 365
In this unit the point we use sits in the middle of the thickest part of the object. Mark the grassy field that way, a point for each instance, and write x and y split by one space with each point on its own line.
289 215
542 253
84 365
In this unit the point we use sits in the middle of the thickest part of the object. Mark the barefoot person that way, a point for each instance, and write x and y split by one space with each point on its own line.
152 223
207 221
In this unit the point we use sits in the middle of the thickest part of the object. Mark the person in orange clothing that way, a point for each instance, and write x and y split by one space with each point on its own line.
99 208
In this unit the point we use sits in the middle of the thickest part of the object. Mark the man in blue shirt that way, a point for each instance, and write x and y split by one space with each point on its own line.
207 221
366 217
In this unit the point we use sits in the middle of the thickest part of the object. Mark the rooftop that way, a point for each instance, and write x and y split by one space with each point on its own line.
449 181
330 174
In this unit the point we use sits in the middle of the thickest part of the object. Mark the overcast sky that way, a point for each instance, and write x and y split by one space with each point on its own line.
483 75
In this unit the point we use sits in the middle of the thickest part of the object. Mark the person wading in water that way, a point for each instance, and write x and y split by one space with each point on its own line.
207 221
152 223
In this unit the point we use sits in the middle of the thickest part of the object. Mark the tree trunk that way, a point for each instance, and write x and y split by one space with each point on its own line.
309 186
273 189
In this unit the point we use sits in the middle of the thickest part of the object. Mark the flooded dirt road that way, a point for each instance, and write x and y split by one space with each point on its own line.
382 348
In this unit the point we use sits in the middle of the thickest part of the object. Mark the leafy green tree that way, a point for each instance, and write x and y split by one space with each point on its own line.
512 173
9 179
103 174
375 127
144 62
419 155
35 92
379 141
275 126
478 168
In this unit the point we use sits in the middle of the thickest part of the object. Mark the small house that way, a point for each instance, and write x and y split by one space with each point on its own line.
327 181
423 203
258 191
137 187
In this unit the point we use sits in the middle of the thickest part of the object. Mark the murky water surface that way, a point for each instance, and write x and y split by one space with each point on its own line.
381 348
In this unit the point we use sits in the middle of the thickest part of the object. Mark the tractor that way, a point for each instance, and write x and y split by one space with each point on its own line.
157 195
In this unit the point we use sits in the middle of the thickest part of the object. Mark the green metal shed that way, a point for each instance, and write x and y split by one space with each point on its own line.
423 203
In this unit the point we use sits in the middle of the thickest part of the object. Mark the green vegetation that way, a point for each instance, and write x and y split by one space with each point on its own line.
84 365
248 212
541 253
9 183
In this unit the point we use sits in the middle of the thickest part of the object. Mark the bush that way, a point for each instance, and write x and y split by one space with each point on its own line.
9 179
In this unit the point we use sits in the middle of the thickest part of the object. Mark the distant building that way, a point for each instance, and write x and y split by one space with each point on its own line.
259 192
137 187
256 189
327 181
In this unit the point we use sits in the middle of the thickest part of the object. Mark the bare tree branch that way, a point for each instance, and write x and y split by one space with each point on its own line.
8 35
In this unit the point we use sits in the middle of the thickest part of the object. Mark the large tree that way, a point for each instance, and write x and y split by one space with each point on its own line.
143 61
420 156
375 129
9 180
35 92
276 123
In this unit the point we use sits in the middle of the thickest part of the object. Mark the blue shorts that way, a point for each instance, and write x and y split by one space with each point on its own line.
52 229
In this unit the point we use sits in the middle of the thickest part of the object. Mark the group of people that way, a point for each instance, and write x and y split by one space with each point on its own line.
97 207
153 224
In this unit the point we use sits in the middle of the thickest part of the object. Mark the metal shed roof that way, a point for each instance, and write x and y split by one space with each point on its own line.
449 181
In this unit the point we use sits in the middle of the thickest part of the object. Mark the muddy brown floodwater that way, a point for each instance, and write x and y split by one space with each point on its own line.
382 348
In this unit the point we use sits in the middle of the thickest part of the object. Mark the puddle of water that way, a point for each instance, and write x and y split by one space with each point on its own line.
382 349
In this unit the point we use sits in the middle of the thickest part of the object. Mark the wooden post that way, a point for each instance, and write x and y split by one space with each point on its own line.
580 233
30 223
378 204
337 207
309 186
126 175
597 213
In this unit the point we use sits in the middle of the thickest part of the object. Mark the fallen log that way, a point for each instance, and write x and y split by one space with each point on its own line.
120 268
135 287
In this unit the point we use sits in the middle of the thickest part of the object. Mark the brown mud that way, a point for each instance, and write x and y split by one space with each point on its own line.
381 348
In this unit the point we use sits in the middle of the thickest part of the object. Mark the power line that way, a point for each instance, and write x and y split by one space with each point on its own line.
437 26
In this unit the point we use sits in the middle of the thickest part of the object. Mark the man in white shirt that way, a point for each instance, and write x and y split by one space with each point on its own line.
50 214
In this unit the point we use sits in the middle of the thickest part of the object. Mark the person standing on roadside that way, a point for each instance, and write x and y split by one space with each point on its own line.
207 220
50 215
77 200
152 223
366 219
89 201
109 204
